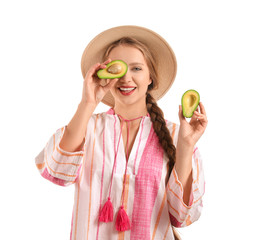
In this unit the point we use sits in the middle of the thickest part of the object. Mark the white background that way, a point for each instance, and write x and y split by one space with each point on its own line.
41 45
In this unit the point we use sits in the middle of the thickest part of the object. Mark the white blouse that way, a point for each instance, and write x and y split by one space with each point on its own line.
151 206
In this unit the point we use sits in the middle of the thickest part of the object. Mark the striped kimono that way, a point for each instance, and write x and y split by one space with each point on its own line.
151 205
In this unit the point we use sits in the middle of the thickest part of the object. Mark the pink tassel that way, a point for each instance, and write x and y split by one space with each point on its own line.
122 220
106 214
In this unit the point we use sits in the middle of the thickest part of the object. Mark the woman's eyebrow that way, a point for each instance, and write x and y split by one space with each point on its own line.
136 63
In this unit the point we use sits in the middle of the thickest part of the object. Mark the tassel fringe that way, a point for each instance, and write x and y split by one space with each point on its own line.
106 213
122 220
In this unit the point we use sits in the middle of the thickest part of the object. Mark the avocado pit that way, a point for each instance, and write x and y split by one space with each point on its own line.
115 68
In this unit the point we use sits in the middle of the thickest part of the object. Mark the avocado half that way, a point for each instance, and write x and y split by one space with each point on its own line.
114 69
190 101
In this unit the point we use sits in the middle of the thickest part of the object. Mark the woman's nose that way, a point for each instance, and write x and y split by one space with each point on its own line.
126 77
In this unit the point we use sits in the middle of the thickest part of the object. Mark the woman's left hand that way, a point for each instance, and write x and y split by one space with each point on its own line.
190 132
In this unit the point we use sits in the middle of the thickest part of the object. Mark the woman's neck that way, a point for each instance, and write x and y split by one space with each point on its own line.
130 112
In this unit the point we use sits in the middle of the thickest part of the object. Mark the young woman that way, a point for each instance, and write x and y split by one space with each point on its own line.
136 174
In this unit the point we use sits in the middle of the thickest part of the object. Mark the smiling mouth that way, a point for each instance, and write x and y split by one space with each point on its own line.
126 89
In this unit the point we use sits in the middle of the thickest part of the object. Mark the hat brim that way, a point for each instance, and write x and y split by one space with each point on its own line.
161 50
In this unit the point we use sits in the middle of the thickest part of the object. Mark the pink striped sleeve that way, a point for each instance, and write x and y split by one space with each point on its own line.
182 215
56 165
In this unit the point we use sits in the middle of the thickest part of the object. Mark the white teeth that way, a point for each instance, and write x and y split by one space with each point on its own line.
126 89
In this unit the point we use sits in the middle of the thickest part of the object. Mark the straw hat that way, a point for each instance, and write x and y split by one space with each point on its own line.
162 52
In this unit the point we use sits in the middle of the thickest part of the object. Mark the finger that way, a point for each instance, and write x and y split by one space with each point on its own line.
194 116
202 115
104 64
92 70
181 117
110 83
196 113
107 61
199 115
203 120
202 108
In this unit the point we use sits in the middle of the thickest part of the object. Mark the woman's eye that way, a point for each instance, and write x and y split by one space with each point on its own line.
136 68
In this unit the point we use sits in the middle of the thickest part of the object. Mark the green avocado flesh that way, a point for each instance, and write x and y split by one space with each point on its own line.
114 69
189 101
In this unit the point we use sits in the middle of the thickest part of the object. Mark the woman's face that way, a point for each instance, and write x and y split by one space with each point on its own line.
136 79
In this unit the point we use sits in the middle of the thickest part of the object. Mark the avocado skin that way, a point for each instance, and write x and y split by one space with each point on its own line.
104 74
188 111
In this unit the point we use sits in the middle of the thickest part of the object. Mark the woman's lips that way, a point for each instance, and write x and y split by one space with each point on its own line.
126 91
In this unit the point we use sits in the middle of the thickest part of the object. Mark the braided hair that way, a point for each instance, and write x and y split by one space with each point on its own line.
161 130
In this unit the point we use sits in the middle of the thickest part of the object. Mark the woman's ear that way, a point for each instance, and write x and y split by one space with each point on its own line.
151 84
151 80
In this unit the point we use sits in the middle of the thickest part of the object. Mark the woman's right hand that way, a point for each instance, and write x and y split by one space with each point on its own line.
93 92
